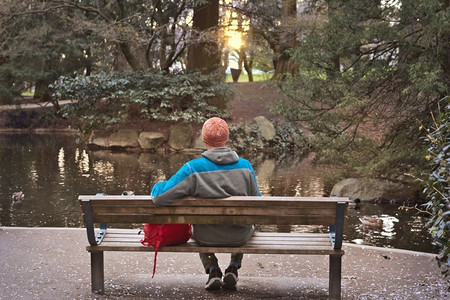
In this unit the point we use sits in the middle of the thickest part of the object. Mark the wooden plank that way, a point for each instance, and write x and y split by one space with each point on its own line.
283 249
122 230
189 248
207 200
216 203
215 219
314 236
304 242
257 211
192 244
287 234
294 237
257 233
115 239
125 236
311 237
273 238
230 201
267 198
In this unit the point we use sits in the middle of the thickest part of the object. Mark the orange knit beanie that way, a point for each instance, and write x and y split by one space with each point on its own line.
215 132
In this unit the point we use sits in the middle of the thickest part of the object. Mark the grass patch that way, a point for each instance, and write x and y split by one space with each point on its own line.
27 94
256 77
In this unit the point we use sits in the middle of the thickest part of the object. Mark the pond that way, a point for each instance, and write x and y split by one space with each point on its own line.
53 169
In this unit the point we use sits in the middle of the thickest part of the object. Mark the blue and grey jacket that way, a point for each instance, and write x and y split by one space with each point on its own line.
218 173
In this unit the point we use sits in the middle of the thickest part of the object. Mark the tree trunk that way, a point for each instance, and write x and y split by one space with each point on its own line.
247 62
248 66
203 53
283 63
162 48
42 92
129 56
226 56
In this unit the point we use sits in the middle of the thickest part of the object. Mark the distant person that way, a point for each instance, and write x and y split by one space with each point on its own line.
218 173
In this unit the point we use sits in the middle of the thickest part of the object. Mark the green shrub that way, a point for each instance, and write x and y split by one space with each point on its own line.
6 97
246 138
123 96
289 139
20 119
437 187
8 90
363 157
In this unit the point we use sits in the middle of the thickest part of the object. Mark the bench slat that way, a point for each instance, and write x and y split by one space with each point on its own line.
293 241
130 238
112 231
215 210
215 219
261 243
142 201
134 235
207 200
314 250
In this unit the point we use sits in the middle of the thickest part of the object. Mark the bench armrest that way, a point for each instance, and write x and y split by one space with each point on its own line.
89 222
337 230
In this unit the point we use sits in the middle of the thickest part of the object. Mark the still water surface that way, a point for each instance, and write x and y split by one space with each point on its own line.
52 170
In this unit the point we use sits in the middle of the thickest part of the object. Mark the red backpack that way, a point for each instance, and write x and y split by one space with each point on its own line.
159 235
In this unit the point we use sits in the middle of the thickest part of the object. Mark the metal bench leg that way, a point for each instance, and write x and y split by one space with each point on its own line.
97 273
335 276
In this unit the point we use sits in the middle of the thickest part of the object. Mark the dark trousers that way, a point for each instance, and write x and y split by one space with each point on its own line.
210 260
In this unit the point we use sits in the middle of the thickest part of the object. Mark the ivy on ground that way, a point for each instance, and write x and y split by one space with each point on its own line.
438 188
289 139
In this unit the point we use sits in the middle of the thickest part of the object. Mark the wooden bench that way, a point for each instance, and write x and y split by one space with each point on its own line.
105 210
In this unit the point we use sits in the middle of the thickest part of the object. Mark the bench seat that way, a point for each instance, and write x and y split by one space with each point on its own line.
100 212
261 243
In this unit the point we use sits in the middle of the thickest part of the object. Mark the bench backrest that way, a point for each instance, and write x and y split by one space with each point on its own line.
232 210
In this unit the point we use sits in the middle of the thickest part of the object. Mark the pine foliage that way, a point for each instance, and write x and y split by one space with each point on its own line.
370 72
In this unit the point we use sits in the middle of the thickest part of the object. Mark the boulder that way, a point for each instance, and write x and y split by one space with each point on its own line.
266 128
127 138
151 140
373 190
180 136
199 143
99 138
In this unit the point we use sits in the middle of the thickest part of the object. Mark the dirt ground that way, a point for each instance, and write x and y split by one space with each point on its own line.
253 99
52 263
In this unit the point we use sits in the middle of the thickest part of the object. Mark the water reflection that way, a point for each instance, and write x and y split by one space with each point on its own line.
388 225
400 229
53 170
82 160
294 176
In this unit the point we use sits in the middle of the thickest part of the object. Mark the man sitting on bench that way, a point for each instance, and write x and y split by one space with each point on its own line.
218 173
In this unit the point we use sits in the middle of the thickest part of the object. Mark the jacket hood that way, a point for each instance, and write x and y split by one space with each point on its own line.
221 156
